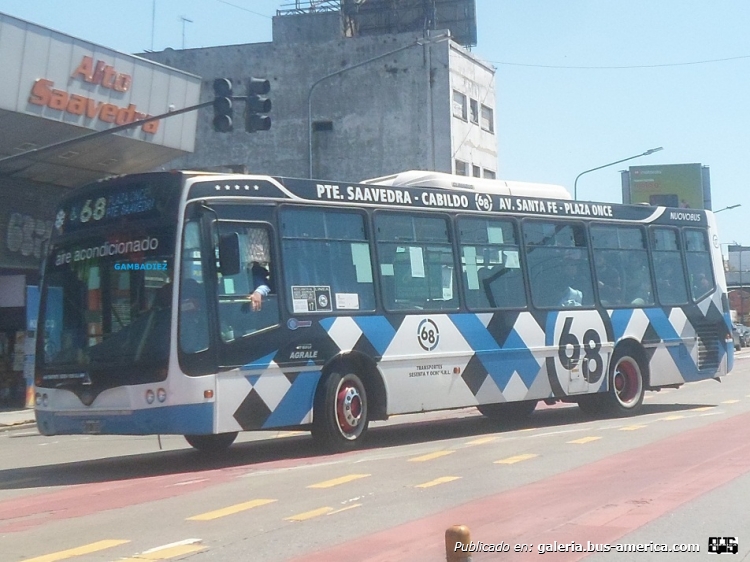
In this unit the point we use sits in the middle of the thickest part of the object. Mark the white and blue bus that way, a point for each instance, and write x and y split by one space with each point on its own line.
410 293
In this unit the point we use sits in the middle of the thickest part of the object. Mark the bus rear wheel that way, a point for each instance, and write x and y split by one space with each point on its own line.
340 415
626 388
508 412
211 443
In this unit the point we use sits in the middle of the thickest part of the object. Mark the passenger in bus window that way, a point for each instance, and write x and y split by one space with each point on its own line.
571 296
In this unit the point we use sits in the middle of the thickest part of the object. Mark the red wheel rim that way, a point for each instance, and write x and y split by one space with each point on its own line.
627 383
348 409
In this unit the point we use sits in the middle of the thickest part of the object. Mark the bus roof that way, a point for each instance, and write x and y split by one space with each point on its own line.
422 178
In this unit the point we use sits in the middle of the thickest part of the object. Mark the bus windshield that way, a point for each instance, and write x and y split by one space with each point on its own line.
106 310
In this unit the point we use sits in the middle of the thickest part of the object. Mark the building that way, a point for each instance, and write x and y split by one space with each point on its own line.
353 95
57 88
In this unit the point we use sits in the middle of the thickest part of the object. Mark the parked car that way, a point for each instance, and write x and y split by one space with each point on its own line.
744 335
736 337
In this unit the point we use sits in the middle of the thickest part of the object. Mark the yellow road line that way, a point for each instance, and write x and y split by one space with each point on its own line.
730 401
632 427
78 551
482 441
168 551
437 481
430 456
670 418
231 510
337 481
517 458
310 514
583 440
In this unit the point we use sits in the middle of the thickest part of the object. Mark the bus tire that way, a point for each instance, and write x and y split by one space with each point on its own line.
211 443
627 386
340 414
508 412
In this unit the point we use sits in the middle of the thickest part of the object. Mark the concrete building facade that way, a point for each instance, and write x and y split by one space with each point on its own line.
55 88
348 108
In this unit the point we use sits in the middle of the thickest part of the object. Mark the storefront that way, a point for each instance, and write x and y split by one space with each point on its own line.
64 88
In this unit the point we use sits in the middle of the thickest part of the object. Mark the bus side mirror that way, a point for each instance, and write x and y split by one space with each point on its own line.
229 254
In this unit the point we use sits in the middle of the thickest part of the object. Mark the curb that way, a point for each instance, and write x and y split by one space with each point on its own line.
20 425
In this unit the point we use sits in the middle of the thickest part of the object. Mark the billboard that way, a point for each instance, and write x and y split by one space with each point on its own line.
671 185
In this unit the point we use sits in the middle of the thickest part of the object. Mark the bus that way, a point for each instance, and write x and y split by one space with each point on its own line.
409 293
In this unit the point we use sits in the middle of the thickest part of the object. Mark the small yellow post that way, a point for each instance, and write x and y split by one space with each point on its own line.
454 535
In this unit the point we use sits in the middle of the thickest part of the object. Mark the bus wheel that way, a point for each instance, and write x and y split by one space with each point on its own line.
508 412
340 414
626 389
211 443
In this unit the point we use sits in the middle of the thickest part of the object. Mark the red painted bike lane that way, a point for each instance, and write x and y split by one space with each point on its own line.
600 502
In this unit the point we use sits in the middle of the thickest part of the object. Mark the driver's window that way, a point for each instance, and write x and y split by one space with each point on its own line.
248 300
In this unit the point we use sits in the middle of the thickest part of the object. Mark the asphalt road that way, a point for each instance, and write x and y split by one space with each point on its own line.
675 475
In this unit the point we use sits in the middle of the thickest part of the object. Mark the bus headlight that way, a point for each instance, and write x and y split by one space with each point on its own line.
150 396
45 400
161 395
38 399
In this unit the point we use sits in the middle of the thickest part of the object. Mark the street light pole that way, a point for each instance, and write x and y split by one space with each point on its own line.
416 43
728 208
575 183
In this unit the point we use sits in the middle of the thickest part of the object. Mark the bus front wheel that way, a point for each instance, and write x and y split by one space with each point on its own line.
340 416
211 443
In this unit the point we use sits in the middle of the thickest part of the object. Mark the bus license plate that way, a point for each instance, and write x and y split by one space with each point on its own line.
92 426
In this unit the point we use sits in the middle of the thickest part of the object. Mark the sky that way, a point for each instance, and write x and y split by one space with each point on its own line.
579 83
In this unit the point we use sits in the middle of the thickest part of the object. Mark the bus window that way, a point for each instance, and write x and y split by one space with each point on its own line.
248 301
670 279
698 263
490 264
417 271
621 265
326 257
558 264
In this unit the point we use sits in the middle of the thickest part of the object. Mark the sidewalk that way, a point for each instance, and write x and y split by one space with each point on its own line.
12 419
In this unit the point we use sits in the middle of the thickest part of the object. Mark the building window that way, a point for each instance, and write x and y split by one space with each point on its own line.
474 111
476 171
488 119
489 174
461 168
459 105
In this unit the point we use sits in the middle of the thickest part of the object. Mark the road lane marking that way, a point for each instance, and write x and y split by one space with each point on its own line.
583 440
702 409
482 441
430 456
517 458
632 427
78 551
438 481
231 510
310 514
670 418
172 550
730 401
282 434
338 481
347 508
